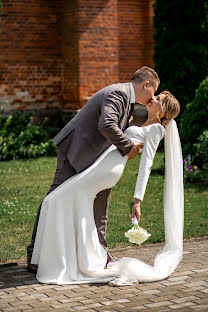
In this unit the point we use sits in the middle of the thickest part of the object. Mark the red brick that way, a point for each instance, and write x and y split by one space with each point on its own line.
60 52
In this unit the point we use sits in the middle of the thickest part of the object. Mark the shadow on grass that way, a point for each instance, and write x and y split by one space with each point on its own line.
197 187
159 171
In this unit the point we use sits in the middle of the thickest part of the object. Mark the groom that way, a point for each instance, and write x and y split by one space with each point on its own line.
99 124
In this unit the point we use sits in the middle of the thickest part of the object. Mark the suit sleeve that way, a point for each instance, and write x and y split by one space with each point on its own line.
113 107
152 140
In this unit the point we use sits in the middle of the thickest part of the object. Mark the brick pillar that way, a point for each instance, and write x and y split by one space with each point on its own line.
70 55
148 31
103 42
135 36
98 45
90 48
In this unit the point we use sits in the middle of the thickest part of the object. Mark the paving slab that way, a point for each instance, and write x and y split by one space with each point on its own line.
185 290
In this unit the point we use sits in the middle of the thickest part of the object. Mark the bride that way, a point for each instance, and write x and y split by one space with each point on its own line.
67 248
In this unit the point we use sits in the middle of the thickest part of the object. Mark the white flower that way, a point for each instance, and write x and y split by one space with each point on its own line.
137 235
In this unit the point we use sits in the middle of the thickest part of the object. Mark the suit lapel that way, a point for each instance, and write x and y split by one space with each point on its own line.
128 108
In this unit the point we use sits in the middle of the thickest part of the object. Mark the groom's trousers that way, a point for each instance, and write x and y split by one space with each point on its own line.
64 171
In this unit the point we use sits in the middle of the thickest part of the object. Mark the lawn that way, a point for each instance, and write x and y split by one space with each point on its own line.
24 184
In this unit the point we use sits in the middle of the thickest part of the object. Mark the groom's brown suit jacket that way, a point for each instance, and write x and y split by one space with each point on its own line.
98 124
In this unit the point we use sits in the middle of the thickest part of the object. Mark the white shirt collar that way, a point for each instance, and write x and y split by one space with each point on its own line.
132 99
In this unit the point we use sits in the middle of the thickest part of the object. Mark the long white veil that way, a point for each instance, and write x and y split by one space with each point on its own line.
133 270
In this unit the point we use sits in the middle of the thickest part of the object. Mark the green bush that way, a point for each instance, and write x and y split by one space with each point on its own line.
21 138
196 166
194 119
180 52
201 151
192 173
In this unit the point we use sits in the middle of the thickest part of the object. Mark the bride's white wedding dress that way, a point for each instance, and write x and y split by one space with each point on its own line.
67 248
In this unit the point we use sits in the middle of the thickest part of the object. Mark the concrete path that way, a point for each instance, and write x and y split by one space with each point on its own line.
185 290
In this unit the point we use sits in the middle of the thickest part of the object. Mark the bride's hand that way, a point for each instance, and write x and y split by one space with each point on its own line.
136 209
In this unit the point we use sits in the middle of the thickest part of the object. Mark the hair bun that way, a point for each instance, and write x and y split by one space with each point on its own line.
165 122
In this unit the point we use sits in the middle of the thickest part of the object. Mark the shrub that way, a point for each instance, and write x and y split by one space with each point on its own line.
180 52
201 151
192 173
196 167
21 138
194 119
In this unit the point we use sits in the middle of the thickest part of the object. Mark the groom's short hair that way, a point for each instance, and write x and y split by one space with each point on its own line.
145 73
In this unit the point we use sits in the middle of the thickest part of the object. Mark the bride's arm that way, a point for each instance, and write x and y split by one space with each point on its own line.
152 140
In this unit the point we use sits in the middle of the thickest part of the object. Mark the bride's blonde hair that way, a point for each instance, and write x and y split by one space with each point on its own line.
170 107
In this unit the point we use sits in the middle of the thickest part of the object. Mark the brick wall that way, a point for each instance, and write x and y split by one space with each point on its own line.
31 63
70 54
57 53
98 45
115 39
135 36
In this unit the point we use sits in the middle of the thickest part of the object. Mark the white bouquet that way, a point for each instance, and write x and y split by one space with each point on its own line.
137 234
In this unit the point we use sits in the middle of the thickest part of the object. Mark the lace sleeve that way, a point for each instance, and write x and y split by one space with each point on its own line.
151 142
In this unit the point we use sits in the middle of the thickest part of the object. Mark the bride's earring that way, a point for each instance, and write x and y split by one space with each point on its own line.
158 117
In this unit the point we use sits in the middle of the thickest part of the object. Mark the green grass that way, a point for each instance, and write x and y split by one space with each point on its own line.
195 210
24 183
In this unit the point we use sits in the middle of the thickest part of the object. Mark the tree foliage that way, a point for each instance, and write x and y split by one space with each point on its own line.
194 119
180 52
201 151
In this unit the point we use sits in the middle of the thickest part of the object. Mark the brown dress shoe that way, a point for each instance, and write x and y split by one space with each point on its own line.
110 258
32 268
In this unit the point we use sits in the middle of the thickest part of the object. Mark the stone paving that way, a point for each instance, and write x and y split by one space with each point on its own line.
185 290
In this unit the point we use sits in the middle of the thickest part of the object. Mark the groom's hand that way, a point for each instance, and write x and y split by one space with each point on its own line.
136 209
135 150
